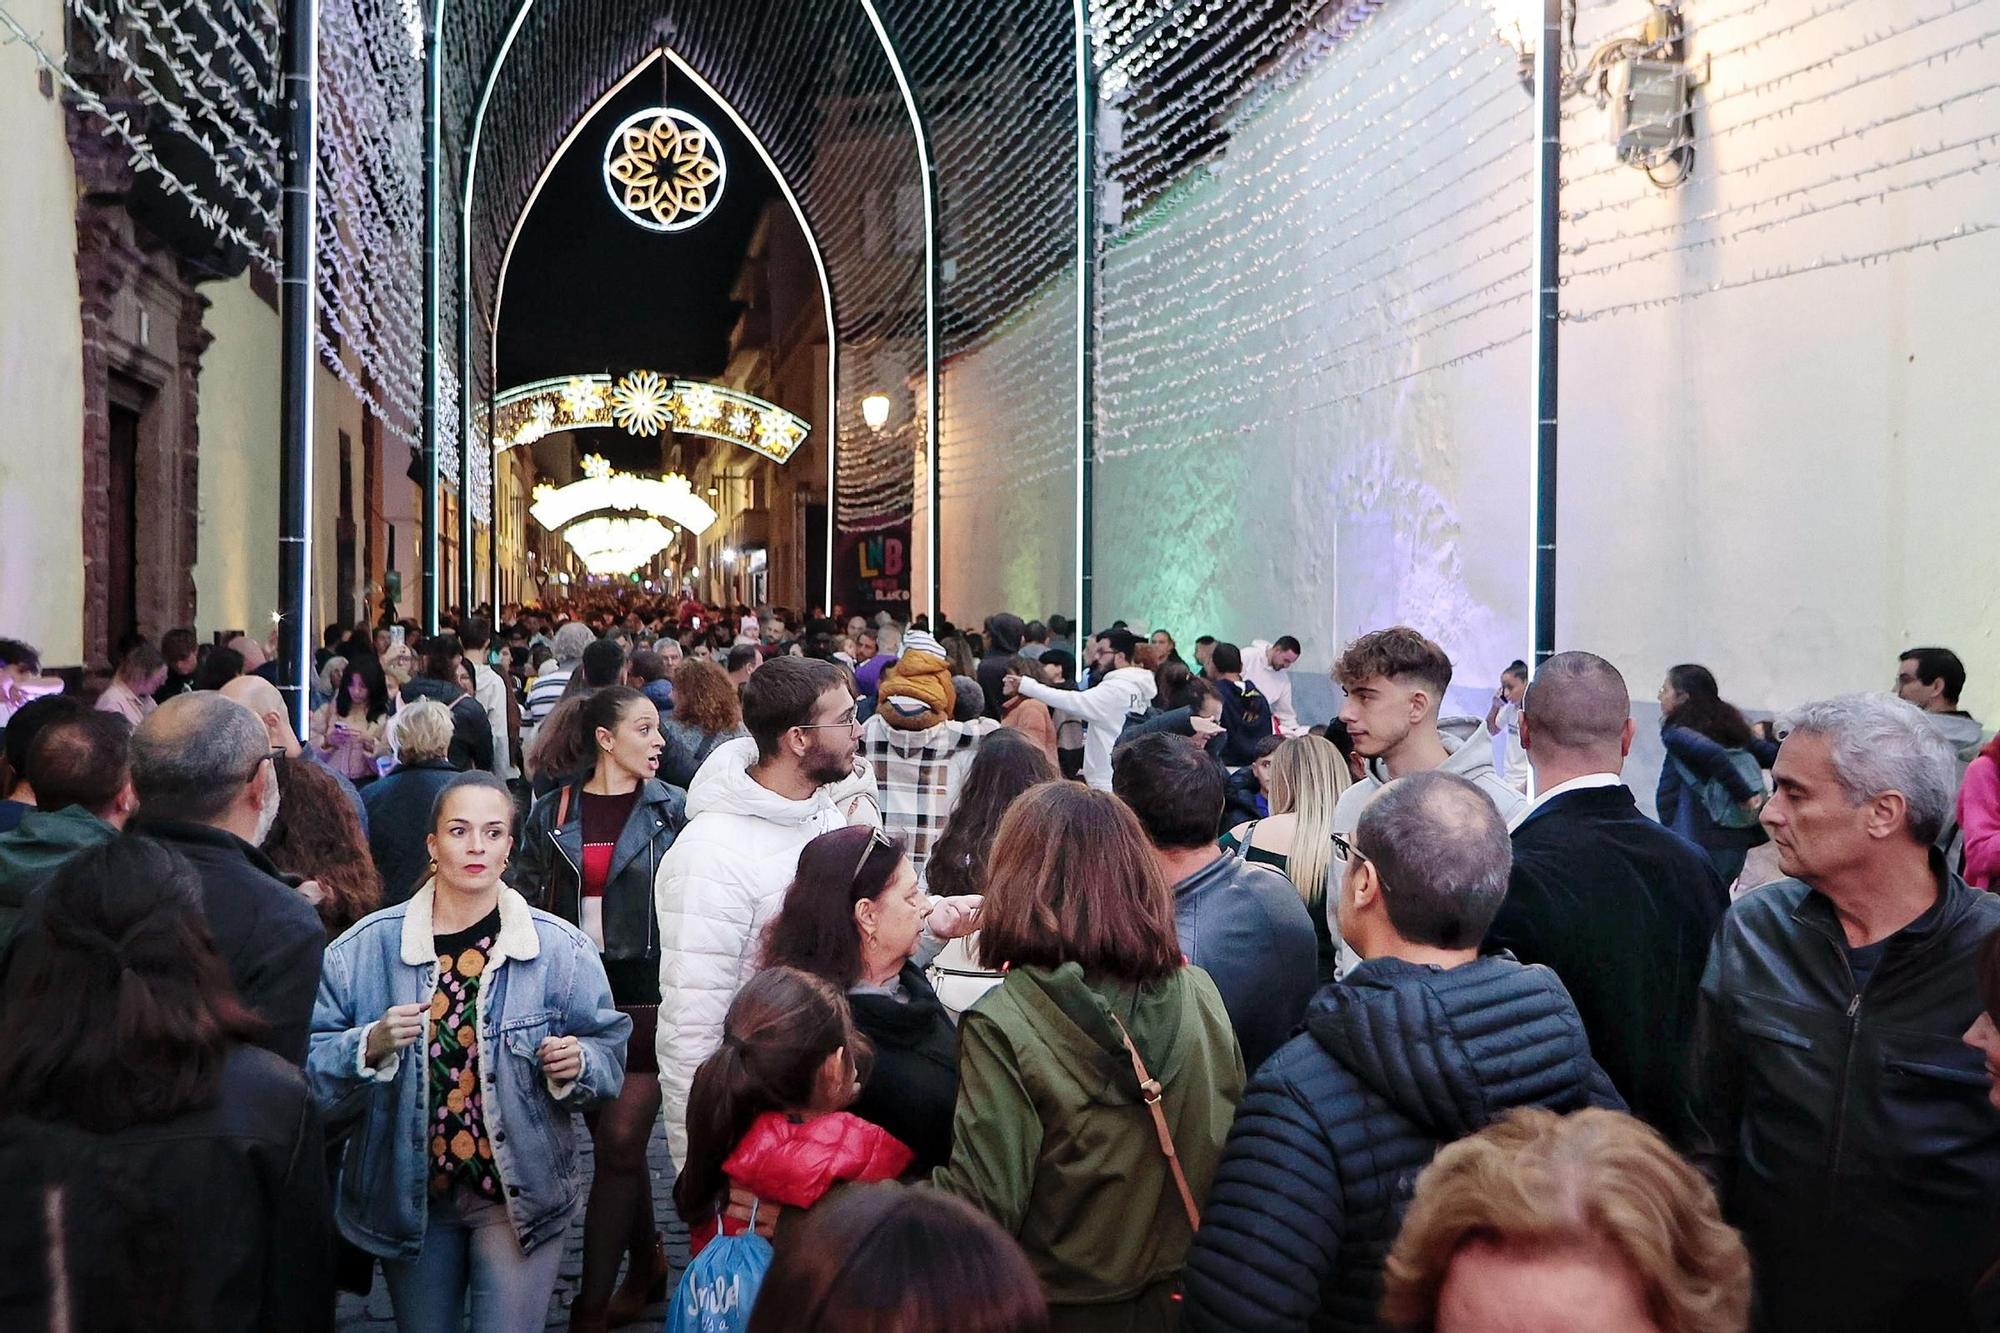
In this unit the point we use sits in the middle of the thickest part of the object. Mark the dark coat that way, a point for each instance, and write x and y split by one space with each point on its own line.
1681 809
471 732
1246 719
399 819
1849 1134
1395 1062
268 936
233 1197
1003 643
1623 911
1244 798
913 1087
547 869
1246 926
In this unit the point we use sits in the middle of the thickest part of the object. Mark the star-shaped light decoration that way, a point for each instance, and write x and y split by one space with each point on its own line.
664 169
583 400
641 402
700 405
739 422
597 466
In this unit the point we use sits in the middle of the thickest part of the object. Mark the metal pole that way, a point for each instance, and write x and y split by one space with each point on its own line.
1548 209
492 500
295 498
1086 308
468 432
433 280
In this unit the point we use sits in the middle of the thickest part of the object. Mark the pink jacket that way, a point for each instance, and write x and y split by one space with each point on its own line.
1979 818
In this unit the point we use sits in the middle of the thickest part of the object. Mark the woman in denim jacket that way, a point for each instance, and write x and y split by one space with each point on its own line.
460 1171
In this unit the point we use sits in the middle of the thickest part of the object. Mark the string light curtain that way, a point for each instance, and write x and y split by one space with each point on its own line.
1315 314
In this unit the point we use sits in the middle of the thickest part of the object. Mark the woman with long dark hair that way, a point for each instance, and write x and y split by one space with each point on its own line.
458 1032
854 916
350 731
120 1030
867 1262
318 838
1100 1046
588 853
767 1112
1710 749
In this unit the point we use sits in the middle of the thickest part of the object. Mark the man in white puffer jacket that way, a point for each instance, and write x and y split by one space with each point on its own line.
751 808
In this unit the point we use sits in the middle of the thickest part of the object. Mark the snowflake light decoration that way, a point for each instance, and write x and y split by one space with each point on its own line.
583 400
641 402
596 467
700 405
739 421
664 169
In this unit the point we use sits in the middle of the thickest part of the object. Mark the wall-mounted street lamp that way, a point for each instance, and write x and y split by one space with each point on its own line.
875 410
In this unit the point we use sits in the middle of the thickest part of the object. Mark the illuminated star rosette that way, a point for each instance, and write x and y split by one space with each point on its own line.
641 403
664 169
584 400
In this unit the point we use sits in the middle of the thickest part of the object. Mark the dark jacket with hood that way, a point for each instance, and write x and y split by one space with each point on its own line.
268 936
1003 645
1396 1062
548 871
1847 1129
41 842
471 733
912 1087
1246 719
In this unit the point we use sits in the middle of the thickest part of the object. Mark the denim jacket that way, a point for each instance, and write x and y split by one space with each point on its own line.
543 979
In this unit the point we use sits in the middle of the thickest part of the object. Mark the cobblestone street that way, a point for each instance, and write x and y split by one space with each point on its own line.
370 1314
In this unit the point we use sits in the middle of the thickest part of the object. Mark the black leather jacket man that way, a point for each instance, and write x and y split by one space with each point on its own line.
1847 1128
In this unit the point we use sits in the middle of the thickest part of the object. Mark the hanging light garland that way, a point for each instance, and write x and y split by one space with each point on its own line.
645 403
617 545
669 497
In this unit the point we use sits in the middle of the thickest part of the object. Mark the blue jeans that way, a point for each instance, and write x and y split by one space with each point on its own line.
469 1249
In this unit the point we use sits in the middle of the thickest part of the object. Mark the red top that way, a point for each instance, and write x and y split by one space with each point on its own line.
792 1162
603 820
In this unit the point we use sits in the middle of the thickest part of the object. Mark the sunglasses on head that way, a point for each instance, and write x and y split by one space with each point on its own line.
876 838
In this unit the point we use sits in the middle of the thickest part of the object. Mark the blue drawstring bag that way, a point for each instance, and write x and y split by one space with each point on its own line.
719 1288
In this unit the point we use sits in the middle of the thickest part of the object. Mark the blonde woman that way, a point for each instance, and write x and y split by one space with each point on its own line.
1307 777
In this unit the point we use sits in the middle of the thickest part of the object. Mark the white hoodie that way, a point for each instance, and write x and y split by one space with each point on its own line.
717 887
1471 760
1104 706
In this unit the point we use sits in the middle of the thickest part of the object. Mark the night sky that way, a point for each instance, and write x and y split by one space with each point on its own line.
589 290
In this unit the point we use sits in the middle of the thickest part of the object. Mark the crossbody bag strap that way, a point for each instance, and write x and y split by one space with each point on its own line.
1149 1088
562 808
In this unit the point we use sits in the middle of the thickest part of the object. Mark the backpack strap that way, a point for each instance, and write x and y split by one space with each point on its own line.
562 808
1149 1088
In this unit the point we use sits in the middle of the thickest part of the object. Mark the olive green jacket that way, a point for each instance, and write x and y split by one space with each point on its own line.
1051 1138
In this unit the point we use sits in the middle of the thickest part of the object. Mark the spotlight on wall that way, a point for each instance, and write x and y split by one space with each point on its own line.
729 555
875 410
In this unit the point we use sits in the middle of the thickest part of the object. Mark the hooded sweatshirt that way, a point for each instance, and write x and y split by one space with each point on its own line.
1105 707
36 847
1003 645
1470 759
1396 1061
1960 730
717 887
1052 1141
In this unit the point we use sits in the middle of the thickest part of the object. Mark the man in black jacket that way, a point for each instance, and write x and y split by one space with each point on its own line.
1244 925
1422 1044
1620 907
1844 1123
201 766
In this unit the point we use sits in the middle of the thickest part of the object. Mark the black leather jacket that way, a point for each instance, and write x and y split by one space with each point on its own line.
1848 1129
548 865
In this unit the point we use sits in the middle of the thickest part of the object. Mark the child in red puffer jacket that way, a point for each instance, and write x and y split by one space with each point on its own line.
765 1113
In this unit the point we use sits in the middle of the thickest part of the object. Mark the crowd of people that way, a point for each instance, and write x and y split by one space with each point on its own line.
1000 980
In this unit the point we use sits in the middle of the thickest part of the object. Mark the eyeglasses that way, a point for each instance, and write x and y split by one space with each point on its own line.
876 838
851 721
1345 849
272 755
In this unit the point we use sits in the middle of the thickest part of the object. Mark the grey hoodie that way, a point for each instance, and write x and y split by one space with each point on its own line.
1961 731
1470 759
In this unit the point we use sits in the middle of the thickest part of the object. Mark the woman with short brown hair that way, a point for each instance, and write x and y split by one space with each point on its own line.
1565 1222
1100 1043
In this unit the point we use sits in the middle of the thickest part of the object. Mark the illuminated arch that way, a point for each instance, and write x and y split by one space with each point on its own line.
669 497
645 403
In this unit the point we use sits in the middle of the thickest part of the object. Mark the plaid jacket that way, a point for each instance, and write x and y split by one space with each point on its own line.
918 775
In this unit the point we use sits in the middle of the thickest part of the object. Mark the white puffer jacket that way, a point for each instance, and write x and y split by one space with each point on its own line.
717 887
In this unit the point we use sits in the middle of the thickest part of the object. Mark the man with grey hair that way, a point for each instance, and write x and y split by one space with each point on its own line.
551 685
1622 908
1844 1124
203 772
1422 1044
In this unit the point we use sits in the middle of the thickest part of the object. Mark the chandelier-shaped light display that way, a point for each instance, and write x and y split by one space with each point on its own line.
669 497
644 403
664 169
617 545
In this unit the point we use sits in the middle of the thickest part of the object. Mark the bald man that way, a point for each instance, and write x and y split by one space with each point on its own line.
1622 909
261 697
201 768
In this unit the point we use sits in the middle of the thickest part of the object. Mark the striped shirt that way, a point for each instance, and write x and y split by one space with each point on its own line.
545 694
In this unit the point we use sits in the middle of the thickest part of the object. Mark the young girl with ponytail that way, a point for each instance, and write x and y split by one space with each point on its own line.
767 1112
